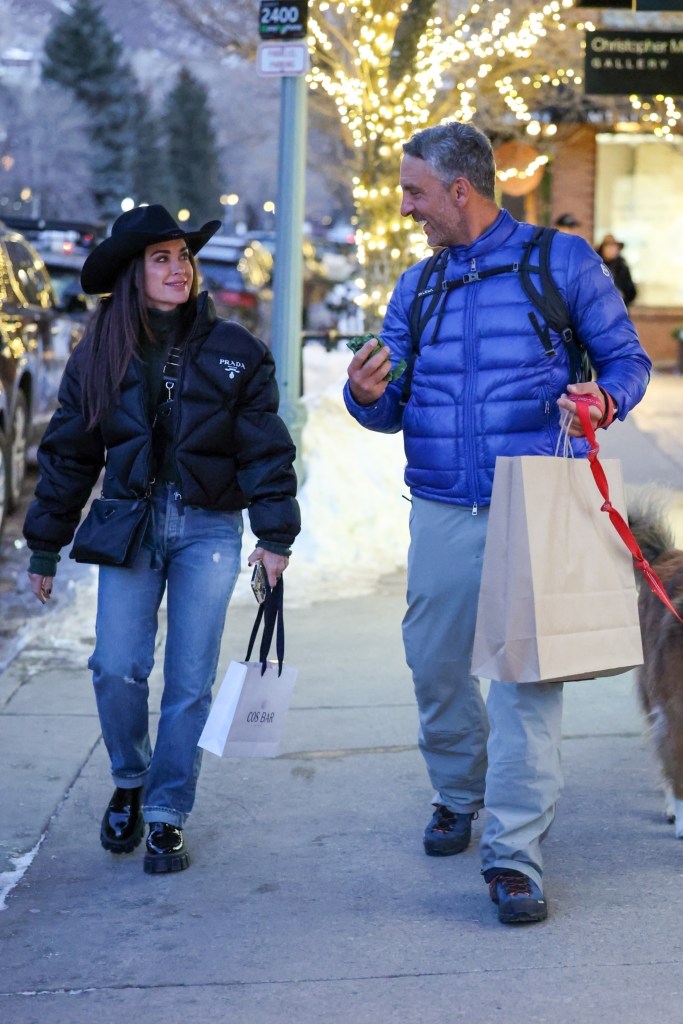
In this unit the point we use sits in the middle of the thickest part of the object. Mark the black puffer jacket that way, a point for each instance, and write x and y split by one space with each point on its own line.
232 450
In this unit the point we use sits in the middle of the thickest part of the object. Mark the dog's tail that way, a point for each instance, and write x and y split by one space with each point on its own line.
648 520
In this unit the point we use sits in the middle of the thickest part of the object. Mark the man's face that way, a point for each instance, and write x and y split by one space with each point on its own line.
431 203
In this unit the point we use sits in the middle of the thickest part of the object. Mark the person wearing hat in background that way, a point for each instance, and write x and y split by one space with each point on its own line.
610 251
202 449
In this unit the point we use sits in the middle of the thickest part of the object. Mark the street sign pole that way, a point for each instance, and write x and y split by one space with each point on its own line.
288 284
283 52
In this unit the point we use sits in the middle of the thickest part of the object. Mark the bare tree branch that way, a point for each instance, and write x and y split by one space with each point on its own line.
410 27
232 27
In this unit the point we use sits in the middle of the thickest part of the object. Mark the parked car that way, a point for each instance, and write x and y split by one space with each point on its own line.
64 268
238 276
36 337
4 480
63 246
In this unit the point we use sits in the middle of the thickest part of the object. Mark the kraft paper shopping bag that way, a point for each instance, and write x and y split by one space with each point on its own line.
558 596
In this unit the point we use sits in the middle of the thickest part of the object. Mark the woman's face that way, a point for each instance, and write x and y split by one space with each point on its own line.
610 251
168 274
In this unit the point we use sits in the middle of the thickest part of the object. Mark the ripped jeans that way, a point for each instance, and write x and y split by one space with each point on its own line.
193 555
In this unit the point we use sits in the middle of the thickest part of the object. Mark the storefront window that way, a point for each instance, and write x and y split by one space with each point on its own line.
639 200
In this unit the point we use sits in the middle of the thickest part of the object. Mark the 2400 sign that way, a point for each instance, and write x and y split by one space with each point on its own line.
278 20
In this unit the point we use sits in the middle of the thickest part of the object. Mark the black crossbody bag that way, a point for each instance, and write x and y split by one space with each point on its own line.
113 530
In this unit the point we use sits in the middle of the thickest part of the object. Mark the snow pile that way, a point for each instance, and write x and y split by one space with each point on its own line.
353 508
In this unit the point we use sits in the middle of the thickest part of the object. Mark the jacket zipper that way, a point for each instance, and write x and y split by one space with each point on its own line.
468 418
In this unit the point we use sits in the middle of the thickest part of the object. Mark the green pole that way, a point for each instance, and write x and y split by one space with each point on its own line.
288 272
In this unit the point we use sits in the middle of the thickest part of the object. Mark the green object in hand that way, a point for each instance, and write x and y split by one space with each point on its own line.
357 343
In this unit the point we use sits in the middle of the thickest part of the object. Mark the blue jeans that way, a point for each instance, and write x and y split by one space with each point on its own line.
195 556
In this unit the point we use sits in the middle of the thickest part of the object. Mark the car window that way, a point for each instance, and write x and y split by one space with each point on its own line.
29 282
215 250
44 285
66 282
221 276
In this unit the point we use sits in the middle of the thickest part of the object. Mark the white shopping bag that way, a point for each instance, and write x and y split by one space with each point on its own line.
248 713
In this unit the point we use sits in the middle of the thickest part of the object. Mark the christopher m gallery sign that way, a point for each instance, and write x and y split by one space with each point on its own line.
646 63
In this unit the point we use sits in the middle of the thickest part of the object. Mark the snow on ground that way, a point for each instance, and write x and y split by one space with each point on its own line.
354 510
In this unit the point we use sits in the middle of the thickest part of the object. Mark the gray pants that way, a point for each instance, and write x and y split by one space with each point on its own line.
505 755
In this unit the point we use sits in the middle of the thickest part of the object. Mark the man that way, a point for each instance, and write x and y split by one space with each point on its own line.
568 222
482 386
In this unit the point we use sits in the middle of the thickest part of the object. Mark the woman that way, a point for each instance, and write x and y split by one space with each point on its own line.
610 251
181 406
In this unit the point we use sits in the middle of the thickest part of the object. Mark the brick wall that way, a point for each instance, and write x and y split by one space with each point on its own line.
655 325
573 183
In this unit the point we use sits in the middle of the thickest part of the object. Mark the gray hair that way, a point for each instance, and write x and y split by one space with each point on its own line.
456 150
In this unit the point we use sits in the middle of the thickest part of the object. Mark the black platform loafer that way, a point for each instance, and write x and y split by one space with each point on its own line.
165 849
122 825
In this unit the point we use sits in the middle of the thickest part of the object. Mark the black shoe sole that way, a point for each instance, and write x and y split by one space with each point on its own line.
163 863
435 849
124 845
523 917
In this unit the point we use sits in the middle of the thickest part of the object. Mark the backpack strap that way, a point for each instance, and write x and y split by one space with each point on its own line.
417 317
552 306
548 302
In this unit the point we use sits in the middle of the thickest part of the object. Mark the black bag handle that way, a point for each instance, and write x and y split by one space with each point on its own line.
270 612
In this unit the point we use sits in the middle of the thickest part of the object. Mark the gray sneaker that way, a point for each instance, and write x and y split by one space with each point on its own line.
448 832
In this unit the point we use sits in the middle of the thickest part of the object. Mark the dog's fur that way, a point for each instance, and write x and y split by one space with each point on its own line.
660 680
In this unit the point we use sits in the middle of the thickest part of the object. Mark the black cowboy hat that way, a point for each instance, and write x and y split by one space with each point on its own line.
131 233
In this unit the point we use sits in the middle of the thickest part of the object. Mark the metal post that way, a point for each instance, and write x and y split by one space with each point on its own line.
288 272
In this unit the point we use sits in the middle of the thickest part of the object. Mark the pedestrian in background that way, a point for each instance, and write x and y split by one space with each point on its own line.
482 386
181 406
610 251
568 223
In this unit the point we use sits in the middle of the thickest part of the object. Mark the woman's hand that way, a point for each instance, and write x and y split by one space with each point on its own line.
41 586
274 564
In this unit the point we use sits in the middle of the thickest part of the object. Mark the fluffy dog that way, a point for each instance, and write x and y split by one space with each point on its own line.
660 680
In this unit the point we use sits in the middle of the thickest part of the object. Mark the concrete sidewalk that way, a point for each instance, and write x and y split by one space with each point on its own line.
309 895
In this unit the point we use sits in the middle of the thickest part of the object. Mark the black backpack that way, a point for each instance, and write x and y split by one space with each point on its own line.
549 303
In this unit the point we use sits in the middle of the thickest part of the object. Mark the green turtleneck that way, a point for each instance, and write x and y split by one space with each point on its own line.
153 353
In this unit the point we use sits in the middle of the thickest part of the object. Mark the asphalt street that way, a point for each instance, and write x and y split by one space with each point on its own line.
309 896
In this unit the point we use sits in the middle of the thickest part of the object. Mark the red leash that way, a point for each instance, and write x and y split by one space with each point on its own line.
621 526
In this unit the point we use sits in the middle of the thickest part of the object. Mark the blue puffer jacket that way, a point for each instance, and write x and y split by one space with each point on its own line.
484 386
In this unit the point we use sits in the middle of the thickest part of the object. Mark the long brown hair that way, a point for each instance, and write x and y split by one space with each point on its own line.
114 333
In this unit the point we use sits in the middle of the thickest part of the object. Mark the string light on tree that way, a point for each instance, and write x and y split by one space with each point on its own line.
391 68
